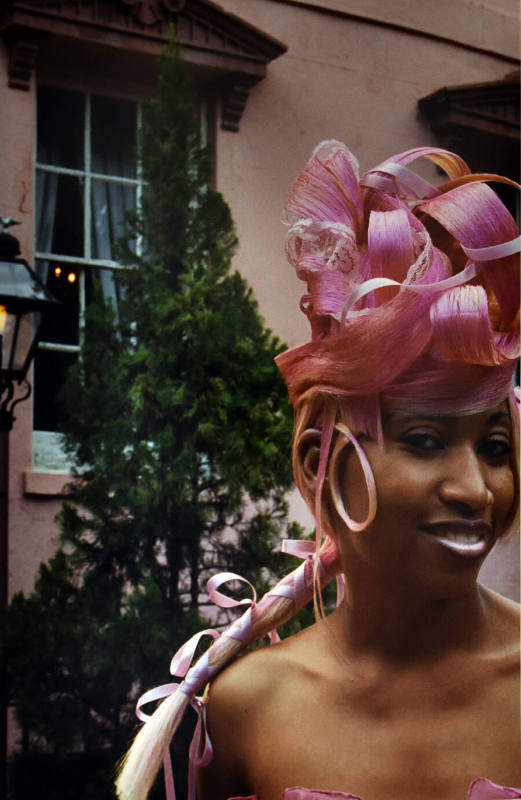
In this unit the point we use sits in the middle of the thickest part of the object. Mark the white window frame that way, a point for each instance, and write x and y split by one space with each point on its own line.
48 454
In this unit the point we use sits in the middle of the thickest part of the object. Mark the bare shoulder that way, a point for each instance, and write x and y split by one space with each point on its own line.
250 690
504 615
259 676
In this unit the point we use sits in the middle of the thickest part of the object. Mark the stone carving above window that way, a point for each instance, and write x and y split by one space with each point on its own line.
231 53
480 122
150 11
485 107
22 59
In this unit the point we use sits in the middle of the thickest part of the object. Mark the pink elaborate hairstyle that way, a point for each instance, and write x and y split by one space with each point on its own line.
413 297
413 293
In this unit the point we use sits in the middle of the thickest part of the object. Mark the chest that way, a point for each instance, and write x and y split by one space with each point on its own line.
383 742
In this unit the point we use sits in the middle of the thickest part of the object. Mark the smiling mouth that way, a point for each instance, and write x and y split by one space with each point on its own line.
465 538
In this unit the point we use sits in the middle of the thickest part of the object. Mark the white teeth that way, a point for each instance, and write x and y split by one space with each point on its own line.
462 538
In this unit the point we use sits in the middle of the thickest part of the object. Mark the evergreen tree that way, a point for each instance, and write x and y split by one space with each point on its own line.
179 430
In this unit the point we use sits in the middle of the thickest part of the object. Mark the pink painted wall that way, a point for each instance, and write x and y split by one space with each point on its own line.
30 527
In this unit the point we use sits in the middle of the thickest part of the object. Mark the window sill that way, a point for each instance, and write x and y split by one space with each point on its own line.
45 484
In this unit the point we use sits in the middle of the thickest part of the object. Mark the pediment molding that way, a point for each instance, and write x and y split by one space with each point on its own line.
234 53
491 108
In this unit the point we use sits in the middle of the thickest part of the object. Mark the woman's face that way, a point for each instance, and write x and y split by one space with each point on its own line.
445 493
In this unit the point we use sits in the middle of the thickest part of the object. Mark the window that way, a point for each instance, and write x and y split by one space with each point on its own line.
86 181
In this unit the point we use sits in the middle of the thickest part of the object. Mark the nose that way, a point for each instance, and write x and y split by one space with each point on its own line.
464 484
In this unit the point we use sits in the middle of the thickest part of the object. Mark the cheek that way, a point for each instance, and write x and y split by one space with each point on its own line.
402 490
353 486
391 485
505 495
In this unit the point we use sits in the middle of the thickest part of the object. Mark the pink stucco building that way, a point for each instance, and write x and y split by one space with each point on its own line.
275 77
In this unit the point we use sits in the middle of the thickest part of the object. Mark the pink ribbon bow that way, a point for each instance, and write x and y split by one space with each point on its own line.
180 666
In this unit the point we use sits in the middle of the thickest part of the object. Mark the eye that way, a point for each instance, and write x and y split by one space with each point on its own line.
423 442
495 448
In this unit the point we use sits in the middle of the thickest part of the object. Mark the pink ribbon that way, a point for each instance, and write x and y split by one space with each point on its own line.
196 758
494 251
417 185
223 600
306 550
377 283
491 253
298 547
241 627
182 659
195 677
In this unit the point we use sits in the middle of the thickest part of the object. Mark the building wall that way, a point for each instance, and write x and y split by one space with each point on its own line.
341 78
354 75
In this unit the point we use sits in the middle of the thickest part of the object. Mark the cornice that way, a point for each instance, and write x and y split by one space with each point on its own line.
487 107
233 52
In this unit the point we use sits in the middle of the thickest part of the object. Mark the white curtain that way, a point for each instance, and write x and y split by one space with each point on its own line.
110 202
46 193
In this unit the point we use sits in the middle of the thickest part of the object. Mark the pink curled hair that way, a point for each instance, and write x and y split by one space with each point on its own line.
412 296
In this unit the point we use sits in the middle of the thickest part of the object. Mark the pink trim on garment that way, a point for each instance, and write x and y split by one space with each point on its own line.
483 789
480 789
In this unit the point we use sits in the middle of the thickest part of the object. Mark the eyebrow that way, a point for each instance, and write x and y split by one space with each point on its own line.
496 417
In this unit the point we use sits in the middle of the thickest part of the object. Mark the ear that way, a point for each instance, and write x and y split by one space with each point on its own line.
307 456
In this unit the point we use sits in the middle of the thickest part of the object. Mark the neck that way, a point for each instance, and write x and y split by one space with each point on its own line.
407 624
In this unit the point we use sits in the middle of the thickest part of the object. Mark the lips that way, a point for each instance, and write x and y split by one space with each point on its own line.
466 538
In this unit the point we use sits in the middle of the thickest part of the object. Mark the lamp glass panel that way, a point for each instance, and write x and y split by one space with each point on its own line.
6 338
27 329
16 340
18 283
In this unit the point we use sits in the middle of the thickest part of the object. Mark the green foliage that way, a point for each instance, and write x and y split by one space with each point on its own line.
179 430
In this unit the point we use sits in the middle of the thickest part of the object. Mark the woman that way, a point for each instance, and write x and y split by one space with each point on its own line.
406 436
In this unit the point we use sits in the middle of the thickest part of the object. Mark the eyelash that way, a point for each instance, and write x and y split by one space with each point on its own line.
489 447
423 442
427 443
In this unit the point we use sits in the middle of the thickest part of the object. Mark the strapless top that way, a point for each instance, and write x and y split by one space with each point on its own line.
480 789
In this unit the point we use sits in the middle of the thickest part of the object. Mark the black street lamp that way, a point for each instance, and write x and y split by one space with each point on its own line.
23 302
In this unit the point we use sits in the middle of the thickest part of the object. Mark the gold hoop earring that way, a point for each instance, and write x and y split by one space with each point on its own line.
348 438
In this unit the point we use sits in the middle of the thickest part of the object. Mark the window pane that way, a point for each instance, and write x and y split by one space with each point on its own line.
59 214
50 370
113 126
110 201
61 325
109 281
60 127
